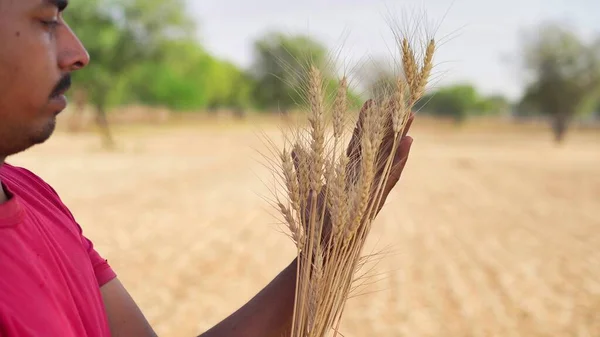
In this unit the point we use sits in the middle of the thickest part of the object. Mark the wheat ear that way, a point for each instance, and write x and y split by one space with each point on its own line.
336 194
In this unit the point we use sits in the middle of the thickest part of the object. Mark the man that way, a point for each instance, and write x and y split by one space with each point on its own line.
54 283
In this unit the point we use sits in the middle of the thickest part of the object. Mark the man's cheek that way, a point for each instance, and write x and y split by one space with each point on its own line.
11 64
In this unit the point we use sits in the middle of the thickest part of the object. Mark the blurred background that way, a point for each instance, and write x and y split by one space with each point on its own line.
493 229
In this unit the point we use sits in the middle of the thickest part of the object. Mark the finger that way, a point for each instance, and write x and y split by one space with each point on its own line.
408 124
353 152
357 133
398 164
325 212
400 160
299 156
296 160
388 141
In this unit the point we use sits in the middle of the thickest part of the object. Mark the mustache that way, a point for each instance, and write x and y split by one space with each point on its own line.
63 85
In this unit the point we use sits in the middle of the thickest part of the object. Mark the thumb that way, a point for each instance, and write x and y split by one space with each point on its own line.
298 154
398 164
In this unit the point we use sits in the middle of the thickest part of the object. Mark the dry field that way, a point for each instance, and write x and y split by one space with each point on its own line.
491 232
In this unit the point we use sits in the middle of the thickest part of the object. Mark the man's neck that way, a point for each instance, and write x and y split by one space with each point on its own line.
3 196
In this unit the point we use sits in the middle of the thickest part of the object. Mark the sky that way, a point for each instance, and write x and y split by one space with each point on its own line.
479 39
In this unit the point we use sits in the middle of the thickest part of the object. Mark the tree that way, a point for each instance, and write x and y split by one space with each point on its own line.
457 102
179 80
280 68
378 77
119 35
564 74
493 105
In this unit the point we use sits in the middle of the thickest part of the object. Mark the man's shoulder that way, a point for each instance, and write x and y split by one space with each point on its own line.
14 172
28 185
22 178
11 170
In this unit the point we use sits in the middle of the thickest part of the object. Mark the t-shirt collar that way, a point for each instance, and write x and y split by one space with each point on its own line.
11 211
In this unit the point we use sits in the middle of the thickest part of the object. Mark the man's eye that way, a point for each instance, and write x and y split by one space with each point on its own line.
51 24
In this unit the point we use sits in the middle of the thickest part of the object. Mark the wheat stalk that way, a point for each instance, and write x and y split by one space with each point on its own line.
333 197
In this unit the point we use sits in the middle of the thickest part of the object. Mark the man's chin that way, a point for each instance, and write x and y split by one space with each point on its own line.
26 139
45 132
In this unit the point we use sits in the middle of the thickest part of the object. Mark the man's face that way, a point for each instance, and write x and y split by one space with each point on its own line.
37 53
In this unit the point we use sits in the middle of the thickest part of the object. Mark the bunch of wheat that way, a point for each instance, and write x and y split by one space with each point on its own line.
332 194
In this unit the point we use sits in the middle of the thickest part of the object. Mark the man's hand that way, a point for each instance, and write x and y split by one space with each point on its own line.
354 152
400 156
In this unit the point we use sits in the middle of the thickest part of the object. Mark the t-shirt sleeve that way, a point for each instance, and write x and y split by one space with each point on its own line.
103 271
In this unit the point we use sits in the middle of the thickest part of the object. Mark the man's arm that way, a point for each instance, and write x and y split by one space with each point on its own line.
124 316
268 314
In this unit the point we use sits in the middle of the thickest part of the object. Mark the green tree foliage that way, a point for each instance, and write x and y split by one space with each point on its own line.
146 52
188 78
460 102
118 36
456 102
494 105
230 87
564 75
174 81
281 68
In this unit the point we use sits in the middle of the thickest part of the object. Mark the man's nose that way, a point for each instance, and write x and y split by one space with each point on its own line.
72 55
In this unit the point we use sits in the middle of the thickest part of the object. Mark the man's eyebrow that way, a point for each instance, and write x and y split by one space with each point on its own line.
60 4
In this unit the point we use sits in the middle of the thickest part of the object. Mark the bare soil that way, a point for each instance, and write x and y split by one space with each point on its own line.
491 232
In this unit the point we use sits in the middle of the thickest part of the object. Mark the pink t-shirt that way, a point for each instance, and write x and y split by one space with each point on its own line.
50 273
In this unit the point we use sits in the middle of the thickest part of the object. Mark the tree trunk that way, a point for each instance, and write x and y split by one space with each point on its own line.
239 113
102 122
560 123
